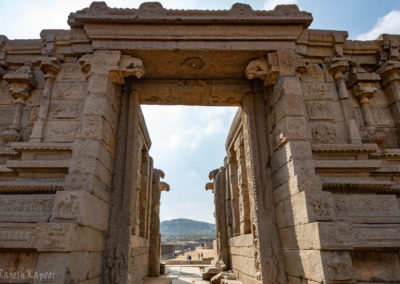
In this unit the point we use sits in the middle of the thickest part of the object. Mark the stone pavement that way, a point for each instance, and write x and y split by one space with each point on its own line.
178 275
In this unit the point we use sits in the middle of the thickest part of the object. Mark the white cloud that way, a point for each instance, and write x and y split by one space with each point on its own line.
270 4
389 24
180 127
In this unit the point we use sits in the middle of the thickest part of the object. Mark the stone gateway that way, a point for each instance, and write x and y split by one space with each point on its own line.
308 192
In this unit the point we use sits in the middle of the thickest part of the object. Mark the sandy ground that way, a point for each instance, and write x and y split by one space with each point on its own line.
195 253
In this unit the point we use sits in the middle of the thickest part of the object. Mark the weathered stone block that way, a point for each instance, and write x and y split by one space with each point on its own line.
287 129
88 182
82 208
65 237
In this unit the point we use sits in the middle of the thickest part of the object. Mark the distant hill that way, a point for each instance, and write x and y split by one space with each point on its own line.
186 229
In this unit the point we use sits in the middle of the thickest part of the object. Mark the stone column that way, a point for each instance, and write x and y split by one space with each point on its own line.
218 187
155 239
287 188
338 68
89 180
363 86
244 202
21 81
50 67
390 74
232 169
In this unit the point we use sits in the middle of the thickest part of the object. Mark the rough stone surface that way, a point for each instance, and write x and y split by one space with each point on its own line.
308 192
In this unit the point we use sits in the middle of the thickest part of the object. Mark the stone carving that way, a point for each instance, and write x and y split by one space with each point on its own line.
65 109
266 69
119 66
50 237
319 111
67 208
194 63
324 133
19 208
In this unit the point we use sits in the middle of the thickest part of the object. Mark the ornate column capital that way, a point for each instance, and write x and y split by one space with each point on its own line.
164 186
21 81
50 66
338 67
112 63
264 68
362 83
389 72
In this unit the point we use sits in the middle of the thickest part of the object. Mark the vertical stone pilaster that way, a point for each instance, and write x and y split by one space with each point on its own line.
218 187
21 81
50 67
338 68
390 75
363 86
155 237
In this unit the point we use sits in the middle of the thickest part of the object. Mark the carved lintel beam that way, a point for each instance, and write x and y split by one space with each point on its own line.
21 81
117 66
50 66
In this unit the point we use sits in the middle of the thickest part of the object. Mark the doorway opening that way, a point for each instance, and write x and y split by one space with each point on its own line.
187 143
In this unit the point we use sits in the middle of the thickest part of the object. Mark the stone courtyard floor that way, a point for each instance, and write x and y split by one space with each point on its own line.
178 275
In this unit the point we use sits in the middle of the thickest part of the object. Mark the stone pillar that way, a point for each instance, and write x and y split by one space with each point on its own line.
244 202
21 81
363 86
218 187
232 169
288 186
338 68
155 238
89 179
50 67
390 74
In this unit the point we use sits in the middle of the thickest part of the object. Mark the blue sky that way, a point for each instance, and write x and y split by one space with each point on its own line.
188 142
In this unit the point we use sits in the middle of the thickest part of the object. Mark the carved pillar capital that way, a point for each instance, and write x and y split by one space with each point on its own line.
210 186
275 64
50 66
264 68
338 68
389 72
362 84
112 63
21 81
164 186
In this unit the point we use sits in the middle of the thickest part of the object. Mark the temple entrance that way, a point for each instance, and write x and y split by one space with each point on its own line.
234 183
